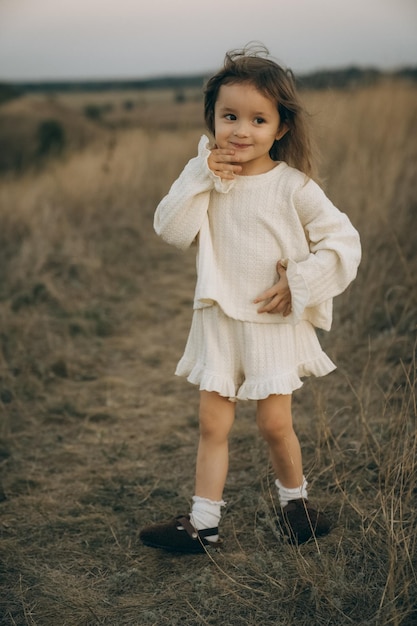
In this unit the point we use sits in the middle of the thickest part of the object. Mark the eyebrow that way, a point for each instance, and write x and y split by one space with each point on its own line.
223 108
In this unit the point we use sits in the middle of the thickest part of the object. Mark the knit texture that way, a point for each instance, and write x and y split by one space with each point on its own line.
248 361
244 226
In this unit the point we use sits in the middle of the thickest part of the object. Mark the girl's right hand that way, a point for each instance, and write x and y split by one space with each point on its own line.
222 162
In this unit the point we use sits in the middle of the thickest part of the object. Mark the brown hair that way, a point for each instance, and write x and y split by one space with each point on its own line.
251 65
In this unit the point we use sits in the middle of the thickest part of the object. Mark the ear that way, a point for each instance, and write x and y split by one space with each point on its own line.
283 129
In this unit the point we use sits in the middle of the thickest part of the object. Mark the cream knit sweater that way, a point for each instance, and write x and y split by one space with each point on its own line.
244 226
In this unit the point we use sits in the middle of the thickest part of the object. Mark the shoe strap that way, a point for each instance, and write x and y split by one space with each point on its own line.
205 532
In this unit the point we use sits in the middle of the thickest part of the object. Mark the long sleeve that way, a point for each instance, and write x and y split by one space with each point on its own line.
335 251
181 213
246 225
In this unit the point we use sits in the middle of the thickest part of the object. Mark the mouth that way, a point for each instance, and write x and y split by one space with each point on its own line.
240 146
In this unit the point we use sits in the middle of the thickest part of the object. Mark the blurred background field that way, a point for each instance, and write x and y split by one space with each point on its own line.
97 436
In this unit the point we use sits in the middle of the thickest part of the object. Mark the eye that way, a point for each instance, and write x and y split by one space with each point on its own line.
259 120
230 117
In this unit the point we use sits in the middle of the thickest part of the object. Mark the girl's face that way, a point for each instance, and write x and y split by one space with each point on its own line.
248 122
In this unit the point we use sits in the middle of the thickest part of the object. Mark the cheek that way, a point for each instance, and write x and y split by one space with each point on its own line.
220 130
218 125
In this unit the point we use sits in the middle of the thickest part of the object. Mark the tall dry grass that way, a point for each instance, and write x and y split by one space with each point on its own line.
97 438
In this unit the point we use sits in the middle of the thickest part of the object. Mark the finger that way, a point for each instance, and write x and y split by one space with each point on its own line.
225 174
228 164
223 150
232 169
280 310
278 305
270 306
221 153
275 311
264 309
266 295
219 166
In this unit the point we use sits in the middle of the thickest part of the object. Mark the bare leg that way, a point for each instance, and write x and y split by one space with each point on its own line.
191 534
301 521
216 419
274 419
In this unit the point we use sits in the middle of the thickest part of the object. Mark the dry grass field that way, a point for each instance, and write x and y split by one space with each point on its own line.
98 437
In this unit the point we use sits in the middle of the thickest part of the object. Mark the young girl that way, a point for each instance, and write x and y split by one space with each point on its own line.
272 253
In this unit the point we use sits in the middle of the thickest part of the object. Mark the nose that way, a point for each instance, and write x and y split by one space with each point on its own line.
241 129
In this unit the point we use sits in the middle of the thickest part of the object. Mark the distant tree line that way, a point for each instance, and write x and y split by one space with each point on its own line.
340 78
351 77
8 92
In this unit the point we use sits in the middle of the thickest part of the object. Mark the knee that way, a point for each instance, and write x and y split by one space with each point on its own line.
211 429
215 421
274 427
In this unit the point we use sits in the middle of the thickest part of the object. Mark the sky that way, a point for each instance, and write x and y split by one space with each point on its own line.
133 39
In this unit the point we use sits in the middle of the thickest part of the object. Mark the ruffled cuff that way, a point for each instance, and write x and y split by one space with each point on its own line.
299 291
220 185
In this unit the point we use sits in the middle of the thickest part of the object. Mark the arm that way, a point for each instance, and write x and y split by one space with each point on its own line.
329 268
180 214
335 250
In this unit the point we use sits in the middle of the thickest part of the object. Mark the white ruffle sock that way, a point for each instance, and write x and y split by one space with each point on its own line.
285 494
206 513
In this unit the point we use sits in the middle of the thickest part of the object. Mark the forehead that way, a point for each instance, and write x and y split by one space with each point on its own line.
244 95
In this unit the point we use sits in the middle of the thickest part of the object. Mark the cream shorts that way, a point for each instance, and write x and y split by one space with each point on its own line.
250 361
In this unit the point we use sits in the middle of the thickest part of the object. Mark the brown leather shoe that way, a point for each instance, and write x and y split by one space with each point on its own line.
178 535
302 522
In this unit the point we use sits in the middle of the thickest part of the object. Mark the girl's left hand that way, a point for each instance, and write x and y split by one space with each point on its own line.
278 297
